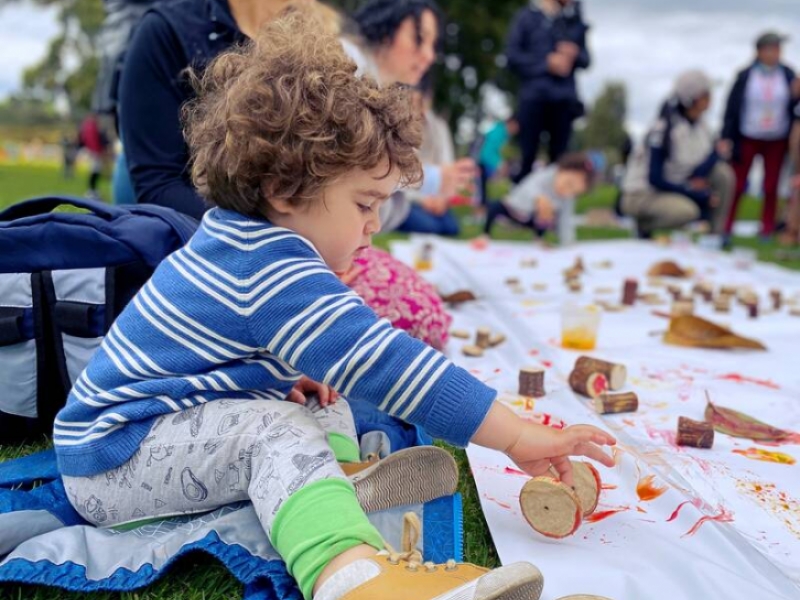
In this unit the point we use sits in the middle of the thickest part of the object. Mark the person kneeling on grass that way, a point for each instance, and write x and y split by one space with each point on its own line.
204 371
545 199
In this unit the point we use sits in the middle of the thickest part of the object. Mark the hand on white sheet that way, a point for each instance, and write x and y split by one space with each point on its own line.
539 448
326 394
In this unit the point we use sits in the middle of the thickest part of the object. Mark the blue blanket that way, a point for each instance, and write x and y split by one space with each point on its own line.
44 541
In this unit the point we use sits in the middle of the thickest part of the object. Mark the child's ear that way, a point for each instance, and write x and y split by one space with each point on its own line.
277 203
281 206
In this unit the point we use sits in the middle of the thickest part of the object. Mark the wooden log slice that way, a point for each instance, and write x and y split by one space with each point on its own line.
587 486
616 373
550 507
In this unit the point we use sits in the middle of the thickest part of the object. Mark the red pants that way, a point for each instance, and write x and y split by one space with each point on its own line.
773 153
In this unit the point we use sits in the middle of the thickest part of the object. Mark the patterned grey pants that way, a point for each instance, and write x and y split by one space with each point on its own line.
215 454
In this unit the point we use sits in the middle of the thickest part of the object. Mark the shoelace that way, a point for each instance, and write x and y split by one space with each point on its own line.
412 531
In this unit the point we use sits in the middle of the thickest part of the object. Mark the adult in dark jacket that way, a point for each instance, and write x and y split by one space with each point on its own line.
757 121
154 85
546 45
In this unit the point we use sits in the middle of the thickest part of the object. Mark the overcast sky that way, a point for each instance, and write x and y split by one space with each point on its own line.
645 43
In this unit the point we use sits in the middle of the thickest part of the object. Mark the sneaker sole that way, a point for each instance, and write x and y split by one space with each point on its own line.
518 581
411 476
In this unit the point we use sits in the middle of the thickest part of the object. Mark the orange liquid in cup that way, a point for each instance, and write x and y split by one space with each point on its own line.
421 264
578 339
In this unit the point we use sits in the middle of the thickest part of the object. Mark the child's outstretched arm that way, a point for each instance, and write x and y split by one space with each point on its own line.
536 448
308 319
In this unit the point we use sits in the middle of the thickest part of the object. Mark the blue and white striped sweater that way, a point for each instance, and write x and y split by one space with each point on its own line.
240 313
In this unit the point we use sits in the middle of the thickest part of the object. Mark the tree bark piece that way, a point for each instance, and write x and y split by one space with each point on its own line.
682 307
458 297
616 403
496 339
752 309
531 382
483 337
696 434
472 351
722 304
590 385
615 373
777 299
629 291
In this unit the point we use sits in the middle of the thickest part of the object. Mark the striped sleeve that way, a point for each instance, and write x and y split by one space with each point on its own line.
317 325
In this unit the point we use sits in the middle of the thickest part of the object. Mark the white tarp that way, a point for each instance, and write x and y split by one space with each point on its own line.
679 523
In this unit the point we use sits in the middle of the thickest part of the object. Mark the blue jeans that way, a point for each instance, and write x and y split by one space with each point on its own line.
121 184
420 220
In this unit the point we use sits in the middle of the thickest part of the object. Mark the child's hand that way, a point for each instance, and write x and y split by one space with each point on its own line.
545 212
436 205
539 448
326 394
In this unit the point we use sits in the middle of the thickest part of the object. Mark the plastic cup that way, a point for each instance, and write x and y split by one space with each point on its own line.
579 326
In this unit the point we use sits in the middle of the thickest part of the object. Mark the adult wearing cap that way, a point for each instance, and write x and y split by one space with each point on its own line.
679 175
758 118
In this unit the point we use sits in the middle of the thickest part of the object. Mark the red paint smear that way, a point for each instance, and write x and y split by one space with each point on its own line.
608 486
534 353
604 514
723 517
647 490
674 515
641 510
496 501
510 471
742 379
498 370
664 435
547 363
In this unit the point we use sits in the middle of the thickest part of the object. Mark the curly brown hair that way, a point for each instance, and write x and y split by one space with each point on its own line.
285 115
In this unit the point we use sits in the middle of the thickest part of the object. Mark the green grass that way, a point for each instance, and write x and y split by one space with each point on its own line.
19 182
201 578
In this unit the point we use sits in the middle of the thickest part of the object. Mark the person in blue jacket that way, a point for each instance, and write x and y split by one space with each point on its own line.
546 46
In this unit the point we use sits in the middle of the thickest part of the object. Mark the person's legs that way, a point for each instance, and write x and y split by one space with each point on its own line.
338 423
670 211
559 118
659 211
485 176
494 210
272 453
531 123
420 220
121 184
723 185
747 149
774 154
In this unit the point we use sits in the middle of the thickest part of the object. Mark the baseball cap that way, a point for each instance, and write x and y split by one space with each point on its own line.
770 38
692 85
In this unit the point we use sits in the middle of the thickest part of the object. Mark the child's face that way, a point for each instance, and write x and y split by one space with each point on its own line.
343 221
570 183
